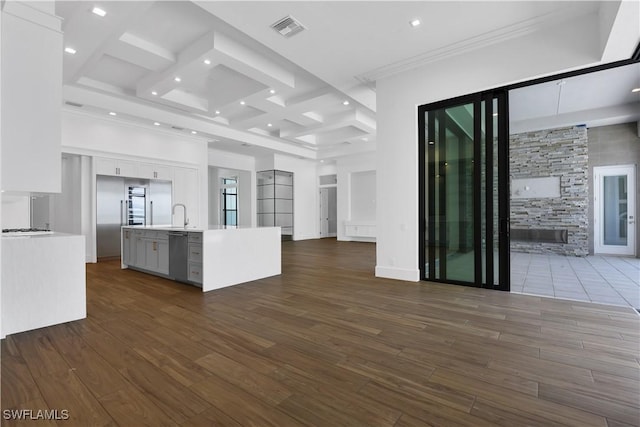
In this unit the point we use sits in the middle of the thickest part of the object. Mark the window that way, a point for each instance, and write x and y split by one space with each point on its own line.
230 201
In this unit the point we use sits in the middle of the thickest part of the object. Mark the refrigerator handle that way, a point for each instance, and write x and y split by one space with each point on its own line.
121 212
151 212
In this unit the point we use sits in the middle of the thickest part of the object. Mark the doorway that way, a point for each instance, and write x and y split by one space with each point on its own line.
464 198
328 212
614 210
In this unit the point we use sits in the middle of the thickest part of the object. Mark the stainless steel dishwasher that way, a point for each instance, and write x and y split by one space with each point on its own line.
178 253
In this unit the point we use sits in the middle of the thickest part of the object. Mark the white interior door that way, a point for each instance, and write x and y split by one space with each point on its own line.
614 210
328 212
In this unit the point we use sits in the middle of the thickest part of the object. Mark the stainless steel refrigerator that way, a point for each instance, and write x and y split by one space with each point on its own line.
128 201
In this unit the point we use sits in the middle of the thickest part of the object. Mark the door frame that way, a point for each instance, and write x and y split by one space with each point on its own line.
599 172
502 112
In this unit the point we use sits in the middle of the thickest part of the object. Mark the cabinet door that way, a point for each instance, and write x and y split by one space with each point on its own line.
151 253
31 99
163 256
127 237
105 166
127 168
141 254
131 249
151 171
185 190
124 168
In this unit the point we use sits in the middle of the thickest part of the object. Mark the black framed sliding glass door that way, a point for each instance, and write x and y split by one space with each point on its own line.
464 202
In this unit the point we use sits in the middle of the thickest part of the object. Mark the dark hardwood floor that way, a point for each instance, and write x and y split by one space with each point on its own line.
325 344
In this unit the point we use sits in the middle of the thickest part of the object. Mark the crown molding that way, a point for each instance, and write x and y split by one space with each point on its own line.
489 38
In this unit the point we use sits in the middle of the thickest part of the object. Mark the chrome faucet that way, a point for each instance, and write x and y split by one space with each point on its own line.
173 212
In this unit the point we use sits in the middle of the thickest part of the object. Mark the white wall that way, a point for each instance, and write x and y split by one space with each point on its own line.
15 211
245 168
84 134
346 167
88 135
305 195
363 196
399 96
246 196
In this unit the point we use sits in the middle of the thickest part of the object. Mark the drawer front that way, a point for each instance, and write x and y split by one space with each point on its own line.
195 238
195 272
195 252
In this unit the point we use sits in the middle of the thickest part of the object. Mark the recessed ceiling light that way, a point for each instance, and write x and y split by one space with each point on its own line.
154 93
495 114
431 142
217 111
111 113
269 124
70 50
156 124
272 91
242 102
97 11
635 89
207 61
177 79
415 22
345 102
194 132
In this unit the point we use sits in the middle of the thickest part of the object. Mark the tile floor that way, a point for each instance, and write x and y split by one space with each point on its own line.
601 279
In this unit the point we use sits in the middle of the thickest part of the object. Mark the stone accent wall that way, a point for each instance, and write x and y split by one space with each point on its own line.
555 152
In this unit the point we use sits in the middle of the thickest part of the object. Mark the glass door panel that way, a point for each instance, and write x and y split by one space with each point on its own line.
463 192
614 210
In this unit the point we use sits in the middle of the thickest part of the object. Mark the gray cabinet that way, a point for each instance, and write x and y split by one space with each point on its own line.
138 245
128 247
156 250
194 258
146 250
275 201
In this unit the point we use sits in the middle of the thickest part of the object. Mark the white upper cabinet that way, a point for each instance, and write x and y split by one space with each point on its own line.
151 171
115 167
31 99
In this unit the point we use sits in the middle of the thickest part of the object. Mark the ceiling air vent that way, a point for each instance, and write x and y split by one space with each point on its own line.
288 26
177 128
73 104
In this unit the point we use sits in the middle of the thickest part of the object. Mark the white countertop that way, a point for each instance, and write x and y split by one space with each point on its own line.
194 229
45 235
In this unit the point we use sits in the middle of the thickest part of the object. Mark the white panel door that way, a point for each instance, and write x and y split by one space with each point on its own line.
614 210
328 212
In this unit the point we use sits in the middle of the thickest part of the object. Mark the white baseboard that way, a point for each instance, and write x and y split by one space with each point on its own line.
405 274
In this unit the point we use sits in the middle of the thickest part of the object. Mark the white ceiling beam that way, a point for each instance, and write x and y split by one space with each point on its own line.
219 50
354 118
141 52
135 108
92 35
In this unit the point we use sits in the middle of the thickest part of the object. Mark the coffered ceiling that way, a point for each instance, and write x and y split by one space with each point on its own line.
218 71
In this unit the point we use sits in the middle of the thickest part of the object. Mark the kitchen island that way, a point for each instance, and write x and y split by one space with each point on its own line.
43 281
208 258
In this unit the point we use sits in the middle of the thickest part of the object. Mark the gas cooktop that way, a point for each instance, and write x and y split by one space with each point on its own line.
24 231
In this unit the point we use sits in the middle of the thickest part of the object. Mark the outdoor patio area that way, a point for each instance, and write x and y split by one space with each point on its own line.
600 279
